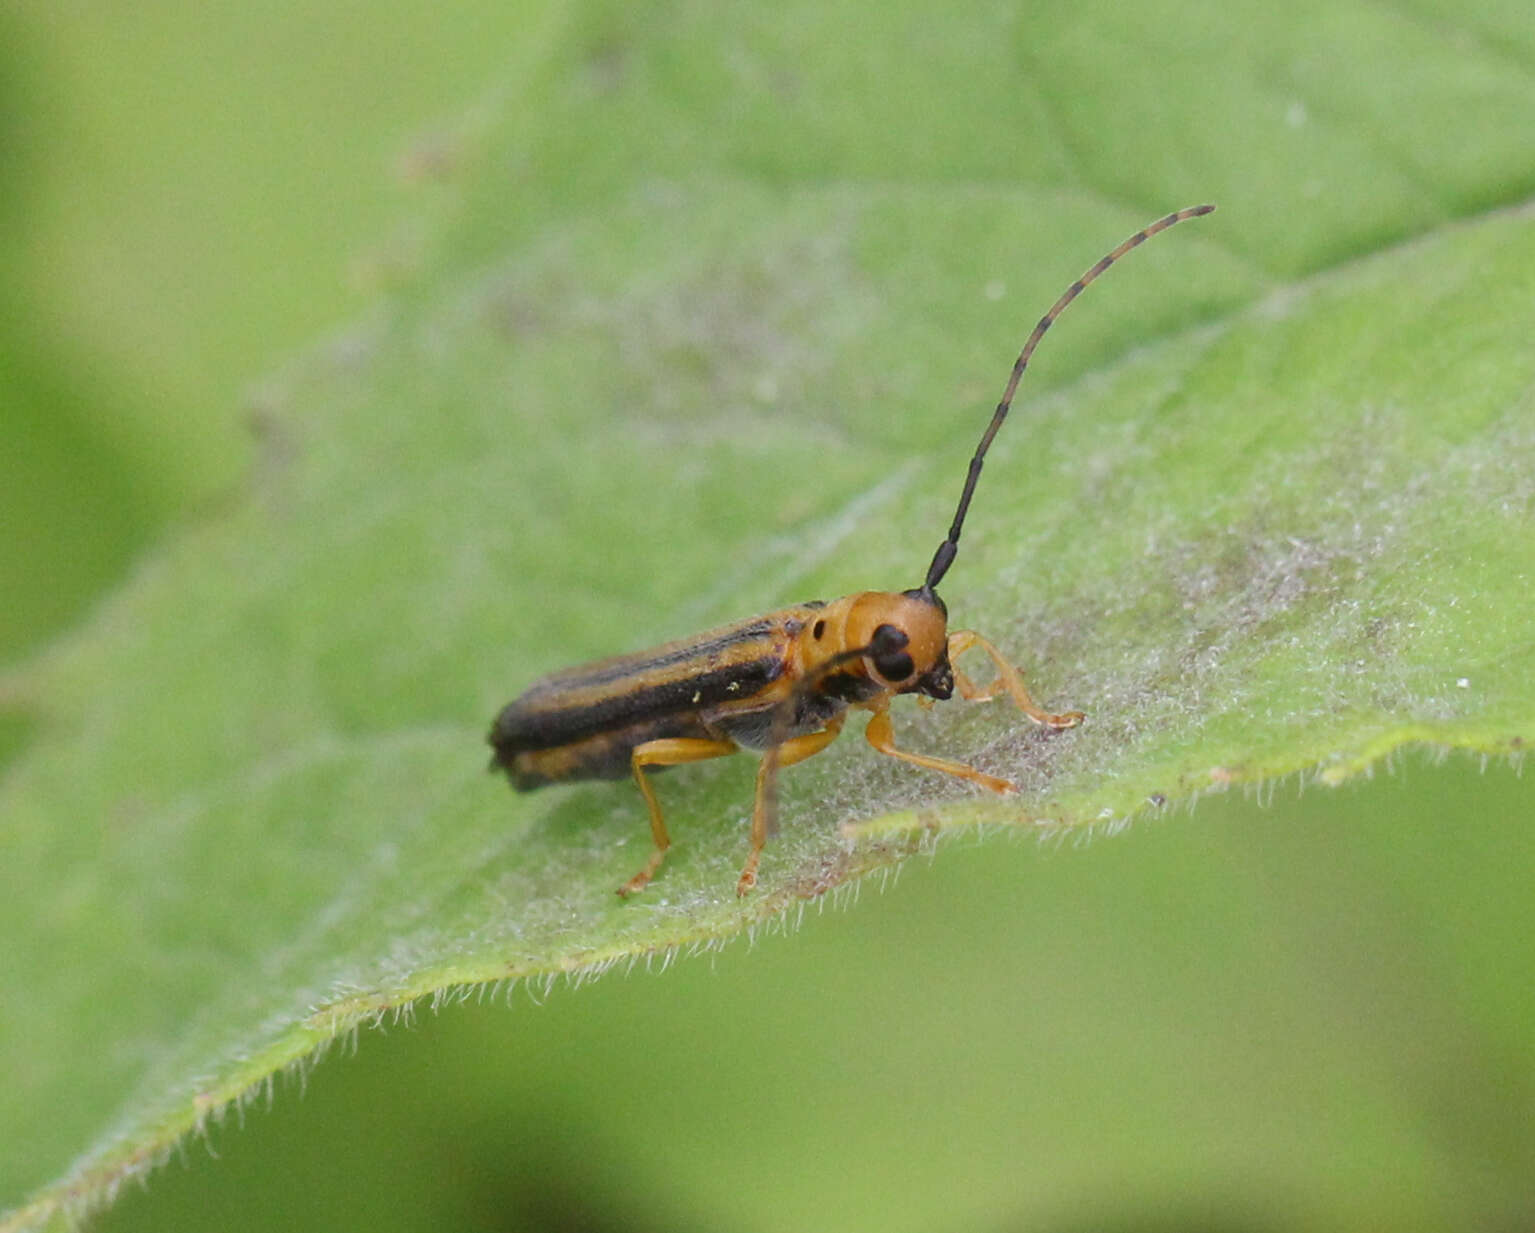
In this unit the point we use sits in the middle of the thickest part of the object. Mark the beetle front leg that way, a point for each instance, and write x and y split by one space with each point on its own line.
1009 681
881 735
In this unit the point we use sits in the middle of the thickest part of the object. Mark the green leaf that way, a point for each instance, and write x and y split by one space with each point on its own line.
1266 506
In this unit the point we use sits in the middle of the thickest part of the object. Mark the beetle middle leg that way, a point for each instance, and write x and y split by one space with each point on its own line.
1009 681
670 751
796 749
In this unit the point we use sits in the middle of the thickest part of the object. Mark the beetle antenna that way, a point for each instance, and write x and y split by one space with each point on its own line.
944 557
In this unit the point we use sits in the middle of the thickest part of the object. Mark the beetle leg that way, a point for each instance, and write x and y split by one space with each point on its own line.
671 751
881 735
1009 681
764 808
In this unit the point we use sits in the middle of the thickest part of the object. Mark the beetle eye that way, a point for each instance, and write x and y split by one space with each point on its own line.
890 658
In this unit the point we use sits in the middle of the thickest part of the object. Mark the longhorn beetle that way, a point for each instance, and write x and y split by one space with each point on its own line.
780 683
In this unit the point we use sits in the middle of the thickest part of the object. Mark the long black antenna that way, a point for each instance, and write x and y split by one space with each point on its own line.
944 557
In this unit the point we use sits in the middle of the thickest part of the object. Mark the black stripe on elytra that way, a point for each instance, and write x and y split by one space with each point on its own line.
519 728
614 671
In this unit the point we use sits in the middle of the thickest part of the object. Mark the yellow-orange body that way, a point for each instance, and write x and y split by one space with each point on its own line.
726 684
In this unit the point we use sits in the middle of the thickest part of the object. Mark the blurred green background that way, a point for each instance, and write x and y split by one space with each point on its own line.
1314 1013
189 201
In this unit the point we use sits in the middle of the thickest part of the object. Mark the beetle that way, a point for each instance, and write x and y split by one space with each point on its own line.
782 683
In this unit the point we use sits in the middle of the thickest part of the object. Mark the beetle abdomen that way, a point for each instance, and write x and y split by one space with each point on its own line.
602 755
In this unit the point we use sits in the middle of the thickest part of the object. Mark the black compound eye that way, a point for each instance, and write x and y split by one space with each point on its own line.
889 653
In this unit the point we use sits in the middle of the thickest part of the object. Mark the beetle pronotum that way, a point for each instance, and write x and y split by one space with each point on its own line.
781 683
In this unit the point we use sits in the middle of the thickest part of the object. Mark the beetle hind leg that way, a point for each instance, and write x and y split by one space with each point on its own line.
1009 681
